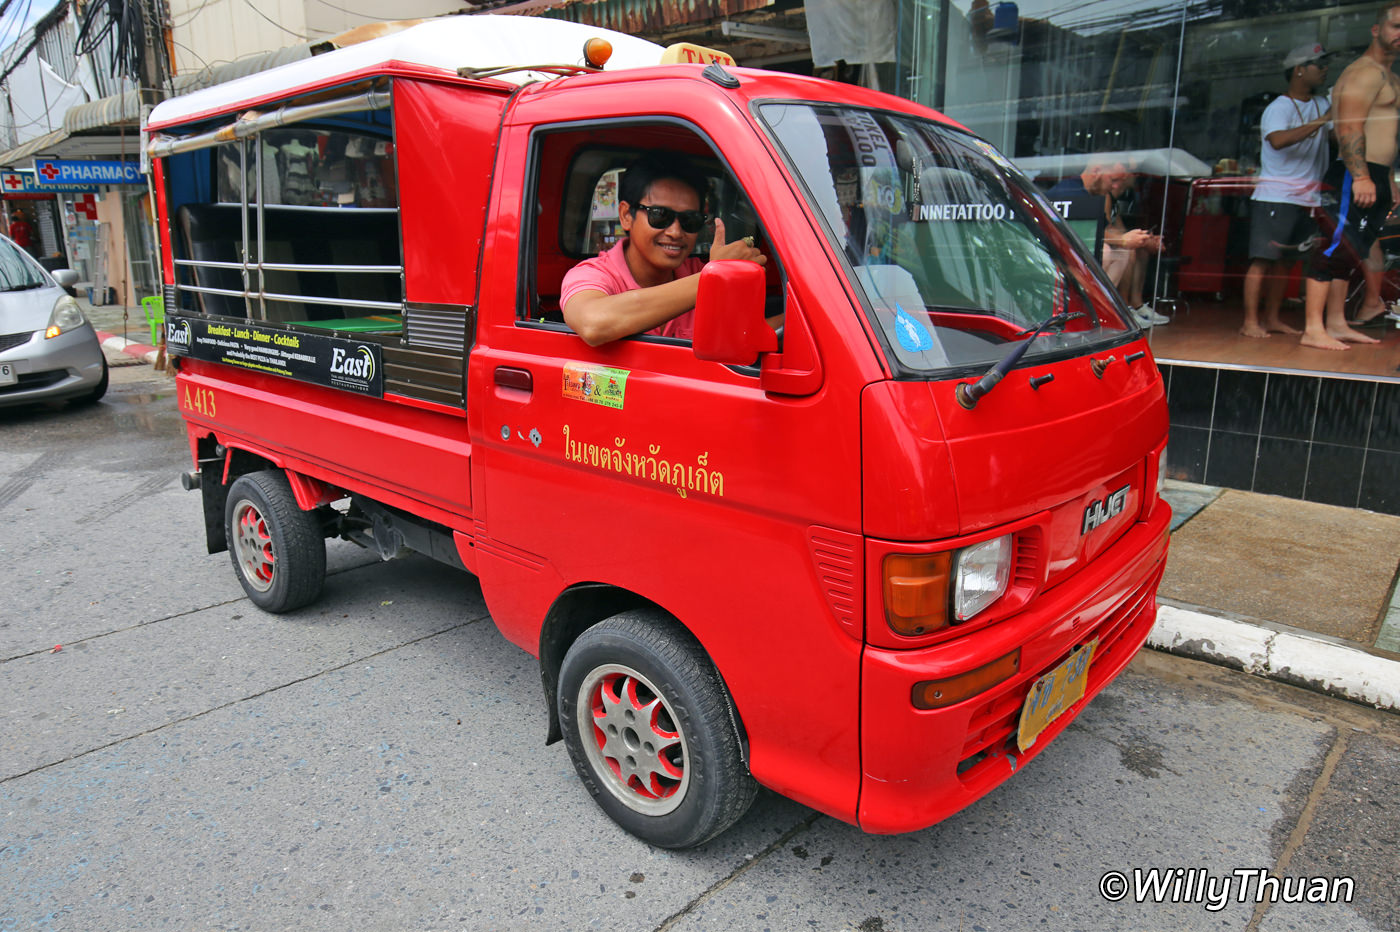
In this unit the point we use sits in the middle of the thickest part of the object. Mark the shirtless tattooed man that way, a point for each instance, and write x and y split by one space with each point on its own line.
1365 107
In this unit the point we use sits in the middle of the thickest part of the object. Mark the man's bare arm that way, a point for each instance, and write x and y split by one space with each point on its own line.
601 318
1353 99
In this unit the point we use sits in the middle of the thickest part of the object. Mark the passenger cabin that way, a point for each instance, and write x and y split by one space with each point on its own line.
346 194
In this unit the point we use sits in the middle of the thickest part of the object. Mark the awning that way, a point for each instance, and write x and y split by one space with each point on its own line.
24 150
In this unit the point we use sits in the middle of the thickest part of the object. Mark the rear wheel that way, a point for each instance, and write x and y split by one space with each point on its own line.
277 549
652 731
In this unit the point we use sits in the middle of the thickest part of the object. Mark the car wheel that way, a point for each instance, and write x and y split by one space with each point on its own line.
277 549
652 731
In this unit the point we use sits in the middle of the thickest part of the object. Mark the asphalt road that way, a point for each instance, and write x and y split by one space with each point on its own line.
377 761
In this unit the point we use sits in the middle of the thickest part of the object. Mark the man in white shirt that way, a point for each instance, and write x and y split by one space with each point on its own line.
1292 159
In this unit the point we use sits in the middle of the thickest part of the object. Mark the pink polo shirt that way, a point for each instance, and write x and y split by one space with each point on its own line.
608 272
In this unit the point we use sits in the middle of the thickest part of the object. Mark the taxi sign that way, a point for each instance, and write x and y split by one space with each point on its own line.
1053 693
687 53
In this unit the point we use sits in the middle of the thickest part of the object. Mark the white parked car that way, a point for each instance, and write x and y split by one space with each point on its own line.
48 350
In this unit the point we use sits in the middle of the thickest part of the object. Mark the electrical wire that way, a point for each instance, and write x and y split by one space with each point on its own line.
123 25
277 24
41 119
18 22
5 5
193 13
19 59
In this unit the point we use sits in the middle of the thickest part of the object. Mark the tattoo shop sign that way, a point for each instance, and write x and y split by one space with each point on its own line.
309 357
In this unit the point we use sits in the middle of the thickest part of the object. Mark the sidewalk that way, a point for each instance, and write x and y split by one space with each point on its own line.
1289 590
121 330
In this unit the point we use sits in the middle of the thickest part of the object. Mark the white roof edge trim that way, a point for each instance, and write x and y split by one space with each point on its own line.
448 43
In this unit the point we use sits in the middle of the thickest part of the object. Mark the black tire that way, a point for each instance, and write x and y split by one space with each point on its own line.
678 778
277 549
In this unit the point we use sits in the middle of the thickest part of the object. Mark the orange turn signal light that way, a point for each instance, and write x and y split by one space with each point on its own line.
596 52
916 592
936 694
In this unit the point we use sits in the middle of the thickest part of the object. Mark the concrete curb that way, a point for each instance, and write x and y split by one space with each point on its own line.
1277 652
122 345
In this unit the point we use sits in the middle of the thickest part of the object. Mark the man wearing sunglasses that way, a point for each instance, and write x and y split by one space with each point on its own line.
647 282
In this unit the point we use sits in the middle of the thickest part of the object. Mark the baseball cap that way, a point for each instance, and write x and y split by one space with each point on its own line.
1304 54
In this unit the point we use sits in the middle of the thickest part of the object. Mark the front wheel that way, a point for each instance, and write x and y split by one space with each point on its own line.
652 731
277 549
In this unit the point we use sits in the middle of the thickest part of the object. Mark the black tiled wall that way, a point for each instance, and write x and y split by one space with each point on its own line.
1318 438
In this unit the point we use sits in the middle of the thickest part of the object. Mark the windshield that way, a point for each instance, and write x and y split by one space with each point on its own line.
956 254
17 271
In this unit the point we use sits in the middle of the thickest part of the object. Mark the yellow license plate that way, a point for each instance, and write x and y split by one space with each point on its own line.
1054 692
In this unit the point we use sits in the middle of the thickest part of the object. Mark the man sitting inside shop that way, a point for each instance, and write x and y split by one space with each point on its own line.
647 282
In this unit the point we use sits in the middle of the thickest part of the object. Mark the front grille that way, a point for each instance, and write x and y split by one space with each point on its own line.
992 727
11 340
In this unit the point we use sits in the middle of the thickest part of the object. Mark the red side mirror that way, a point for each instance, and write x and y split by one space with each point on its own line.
729 324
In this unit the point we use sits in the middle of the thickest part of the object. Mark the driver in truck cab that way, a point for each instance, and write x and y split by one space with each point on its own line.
647 282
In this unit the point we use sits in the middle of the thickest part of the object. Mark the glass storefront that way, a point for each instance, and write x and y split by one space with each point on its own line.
1170 97
1175 93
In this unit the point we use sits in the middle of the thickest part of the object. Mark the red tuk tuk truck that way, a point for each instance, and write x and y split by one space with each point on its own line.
874 561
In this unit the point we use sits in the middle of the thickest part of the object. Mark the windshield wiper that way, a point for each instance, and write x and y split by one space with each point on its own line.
968 393
25 286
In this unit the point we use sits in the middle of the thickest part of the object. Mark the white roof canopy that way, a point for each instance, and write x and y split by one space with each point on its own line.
446 43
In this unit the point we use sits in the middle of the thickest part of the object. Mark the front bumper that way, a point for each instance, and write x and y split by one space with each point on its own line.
921 766
69 364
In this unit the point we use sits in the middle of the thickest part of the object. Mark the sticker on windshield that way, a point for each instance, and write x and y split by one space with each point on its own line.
911 334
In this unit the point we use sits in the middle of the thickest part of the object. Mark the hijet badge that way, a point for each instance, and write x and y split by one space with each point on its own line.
1099 512
598 385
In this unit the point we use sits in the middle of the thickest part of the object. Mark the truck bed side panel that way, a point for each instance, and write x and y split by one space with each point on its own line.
395 453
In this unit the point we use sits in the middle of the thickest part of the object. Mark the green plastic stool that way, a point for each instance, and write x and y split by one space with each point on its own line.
154 308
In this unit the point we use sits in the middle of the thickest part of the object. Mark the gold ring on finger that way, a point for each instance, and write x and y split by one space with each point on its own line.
748 240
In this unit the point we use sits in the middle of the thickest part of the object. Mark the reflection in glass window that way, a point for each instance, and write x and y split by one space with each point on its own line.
312 168
956 253
17 271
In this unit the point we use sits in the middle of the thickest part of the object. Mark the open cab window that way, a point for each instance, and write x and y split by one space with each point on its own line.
578 170
955 253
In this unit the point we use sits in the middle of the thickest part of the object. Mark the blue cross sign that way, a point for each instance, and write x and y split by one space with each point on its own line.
54 172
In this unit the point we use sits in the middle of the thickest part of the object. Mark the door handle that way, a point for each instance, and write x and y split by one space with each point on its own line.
520 380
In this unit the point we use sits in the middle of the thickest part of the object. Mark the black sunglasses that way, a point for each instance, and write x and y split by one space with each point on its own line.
659 218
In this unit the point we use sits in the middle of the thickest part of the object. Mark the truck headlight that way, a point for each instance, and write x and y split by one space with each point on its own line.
980 576
928 591
66 316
